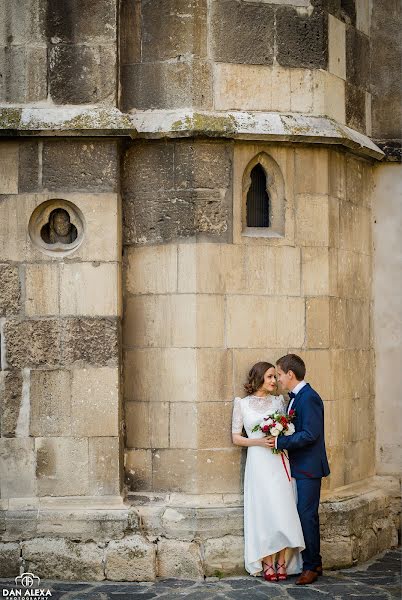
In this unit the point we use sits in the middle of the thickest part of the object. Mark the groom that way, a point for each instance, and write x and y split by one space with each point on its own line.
307 456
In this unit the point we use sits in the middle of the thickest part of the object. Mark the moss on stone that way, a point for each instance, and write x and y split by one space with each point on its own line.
209 124
10 118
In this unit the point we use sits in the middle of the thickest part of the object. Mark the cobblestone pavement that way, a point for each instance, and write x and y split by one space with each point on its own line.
378 579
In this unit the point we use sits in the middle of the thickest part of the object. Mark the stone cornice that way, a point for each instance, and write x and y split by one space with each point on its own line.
151 124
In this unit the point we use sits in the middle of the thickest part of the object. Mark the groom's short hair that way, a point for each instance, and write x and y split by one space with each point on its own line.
292 362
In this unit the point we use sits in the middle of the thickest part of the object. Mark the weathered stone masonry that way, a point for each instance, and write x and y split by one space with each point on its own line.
121 354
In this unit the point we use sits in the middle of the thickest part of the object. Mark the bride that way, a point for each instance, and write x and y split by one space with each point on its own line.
271 522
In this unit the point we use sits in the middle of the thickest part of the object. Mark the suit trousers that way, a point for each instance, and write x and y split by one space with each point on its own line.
308 502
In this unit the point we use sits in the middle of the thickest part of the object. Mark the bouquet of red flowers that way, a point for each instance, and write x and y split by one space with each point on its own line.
276 424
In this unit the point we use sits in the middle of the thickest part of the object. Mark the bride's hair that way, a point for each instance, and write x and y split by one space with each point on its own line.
256 376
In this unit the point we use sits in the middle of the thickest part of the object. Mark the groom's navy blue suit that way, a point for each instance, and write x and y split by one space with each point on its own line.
308 463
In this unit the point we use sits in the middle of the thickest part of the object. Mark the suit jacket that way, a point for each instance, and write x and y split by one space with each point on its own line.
307 454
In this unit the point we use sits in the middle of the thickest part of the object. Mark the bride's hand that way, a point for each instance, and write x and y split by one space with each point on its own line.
264 442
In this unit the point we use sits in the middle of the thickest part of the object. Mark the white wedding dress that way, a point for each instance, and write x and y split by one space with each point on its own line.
271 520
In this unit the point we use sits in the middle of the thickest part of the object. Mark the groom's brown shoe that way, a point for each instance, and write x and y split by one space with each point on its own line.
307 577
318 570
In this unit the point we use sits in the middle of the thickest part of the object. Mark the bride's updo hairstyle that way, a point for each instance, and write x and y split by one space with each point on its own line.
256 376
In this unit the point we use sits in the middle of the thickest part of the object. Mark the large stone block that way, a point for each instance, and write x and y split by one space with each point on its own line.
355 99
354 275
28 168
301 90
175 470
89 341
24 22
242 33
317 272
219 471
355 228
42 289
9 164
179 320
103 466
213 425
74 165
81 74
245 315
178 383
349 323
87 21
351 387
43 349
337 175
167 85
172 215
9 559
17 455
147 424
10 290
357 57
62 466
329 95
202 165
317 322
337 553
145 162
359 181
63 559
224 556
242 87
336 47
312 220
138 469
311 171
319 370
151 270
102 290
214 374
95 402
301 38
50 401
131 559
11 391
179 559
183 426
174 29
24 70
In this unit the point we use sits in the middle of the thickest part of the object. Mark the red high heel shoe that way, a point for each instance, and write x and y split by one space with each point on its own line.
281 576
268 576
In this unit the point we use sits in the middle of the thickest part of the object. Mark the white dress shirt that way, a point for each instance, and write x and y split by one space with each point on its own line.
295 391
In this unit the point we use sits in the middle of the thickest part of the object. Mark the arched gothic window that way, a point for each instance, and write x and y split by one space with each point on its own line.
263 198
258 204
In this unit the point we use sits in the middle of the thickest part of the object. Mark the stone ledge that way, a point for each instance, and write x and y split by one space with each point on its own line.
160 530
154 124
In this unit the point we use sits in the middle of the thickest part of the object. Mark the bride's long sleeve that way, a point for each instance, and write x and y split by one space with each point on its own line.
237 417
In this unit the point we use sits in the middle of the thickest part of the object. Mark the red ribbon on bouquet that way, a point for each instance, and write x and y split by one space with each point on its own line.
284 464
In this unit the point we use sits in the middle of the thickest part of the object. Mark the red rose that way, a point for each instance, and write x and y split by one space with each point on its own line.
292 412
265 428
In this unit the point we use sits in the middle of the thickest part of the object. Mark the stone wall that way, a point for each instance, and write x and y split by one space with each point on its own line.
61 417
58 52
198 315
94 487
298 56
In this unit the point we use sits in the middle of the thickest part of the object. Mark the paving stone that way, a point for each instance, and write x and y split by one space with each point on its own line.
358 583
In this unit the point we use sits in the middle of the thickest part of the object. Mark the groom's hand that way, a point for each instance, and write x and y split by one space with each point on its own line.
271 441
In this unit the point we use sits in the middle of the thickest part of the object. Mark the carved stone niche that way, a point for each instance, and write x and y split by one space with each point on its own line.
57 227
